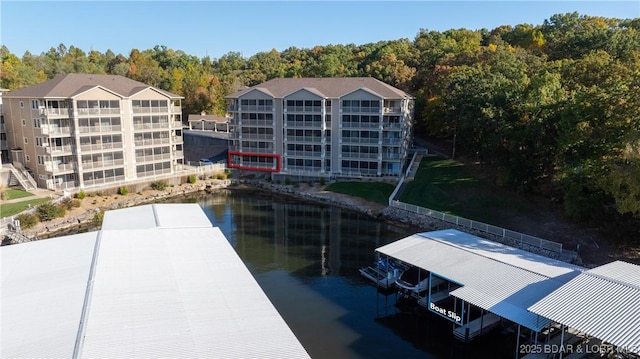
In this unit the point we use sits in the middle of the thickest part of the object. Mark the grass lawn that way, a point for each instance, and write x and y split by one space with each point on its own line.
11 209
378 192
16 193
445 186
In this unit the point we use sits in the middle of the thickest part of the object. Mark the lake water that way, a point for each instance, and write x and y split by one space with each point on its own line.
306 259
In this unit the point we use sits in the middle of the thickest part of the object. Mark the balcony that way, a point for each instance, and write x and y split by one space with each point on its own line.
55 130
149 126
165 109
304 124
58 150
152 142
103 180
392 126
153 158
359 155
178 154
255 136
388 110
357 140
392 142
94 129
257 108
56 112
304 154
368 125
60 167
100 146
101 164
251 149
257 123
305 109
305 139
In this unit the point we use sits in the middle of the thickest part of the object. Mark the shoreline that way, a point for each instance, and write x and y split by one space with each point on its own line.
81 218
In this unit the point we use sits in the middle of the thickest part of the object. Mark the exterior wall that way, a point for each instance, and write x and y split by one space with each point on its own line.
90 140
371 140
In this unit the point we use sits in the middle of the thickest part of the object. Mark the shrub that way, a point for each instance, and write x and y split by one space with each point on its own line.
191 179
123 191
75 203
228 173
48 211
97 218
287 181
221 176
3 193
81 195
27 220
66 203
321 181
159 185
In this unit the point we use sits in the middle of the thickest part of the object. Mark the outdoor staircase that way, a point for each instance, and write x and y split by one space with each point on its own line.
19 175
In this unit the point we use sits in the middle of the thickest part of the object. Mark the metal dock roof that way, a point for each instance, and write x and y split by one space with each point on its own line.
498 278
166 285
603 302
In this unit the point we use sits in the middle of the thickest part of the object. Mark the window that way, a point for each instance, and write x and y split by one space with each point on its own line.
24 122
34 104
41 160
21 104
27 158
36 122
26 140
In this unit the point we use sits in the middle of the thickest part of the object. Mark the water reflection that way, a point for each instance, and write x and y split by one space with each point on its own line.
306 258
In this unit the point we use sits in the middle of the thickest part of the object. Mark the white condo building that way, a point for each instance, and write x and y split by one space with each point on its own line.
321 127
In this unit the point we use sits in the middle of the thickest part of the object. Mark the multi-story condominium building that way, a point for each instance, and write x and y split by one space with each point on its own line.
87 130
4 150
325 127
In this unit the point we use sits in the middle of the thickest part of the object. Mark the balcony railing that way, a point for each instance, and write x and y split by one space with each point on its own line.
178 154
103 180
308 139
360 140
152 142
251 149
352 109
153 173
55 130
392 141
306 109
359 155
369 125
60 167
392 110
67 112
392 125
303 154
257 123
56 150
146 126
254 136
153 158
305 124
154 109
101 164
256 108
390 156
94 129
100 146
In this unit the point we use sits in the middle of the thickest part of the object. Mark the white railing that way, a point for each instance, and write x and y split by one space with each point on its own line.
507 234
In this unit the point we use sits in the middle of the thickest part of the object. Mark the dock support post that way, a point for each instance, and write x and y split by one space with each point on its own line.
518 343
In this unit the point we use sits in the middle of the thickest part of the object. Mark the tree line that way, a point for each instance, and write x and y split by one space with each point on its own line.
550 109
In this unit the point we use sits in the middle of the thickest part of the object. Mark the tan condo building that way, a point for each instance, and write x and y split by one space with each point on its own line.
87 130
320 127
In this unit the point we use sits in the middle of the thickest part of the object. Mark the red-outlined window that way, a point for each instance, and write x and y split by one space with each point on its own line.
269 166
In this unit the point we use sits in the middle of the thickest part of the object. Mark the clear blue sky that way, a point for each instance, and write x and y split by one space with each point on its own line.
214 28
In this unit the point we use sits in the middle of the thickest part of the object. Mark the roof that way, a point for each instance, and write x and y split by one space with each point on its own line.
603 302
70 85
329 87
163 283
498 278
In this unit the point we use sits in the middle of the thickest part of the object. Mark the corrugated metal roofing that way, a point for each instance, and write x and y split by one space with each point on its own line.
43 290
603 302
495 277
174 289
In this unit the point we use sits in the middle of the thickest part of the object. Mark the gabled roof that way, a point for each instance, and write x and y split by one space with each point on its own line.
603 302
329 87
69 85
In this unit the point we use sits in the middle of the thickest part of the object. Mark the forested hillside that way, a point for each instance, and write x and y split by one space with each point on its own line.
552 109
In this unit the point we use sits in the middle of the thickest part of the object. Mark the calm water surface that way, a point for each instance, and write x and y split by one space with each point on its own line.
306 259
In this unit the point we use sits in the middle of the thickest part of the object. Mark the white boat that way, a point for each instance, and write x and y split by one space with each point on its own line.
414 279
383 273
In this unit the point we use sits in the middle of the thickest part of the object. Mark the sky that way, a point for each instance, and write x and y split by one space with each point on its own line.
214 28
